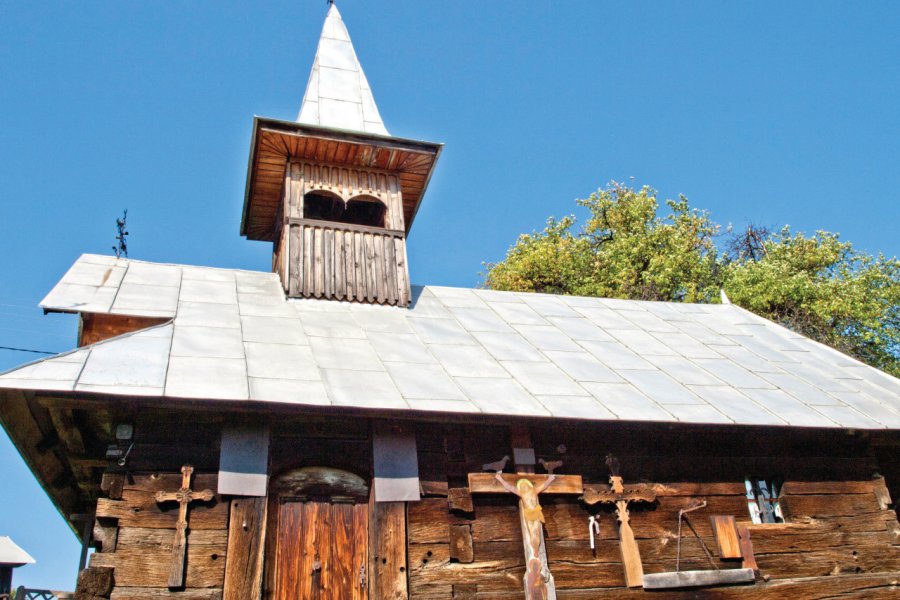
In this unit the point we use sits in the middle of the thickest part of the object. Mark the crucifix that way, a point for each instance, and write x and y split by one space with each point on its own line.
183 497
538 581
618 495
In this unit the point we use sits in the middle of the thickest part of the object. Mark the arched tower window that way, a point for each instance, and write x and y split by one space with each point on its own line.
361 210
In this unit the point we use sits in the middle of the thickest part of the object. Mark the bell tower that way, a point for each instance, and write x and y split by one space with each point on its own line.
333 191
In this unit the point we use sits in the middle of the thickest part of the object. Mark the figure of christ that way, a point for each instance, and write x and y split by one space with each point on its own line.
536 574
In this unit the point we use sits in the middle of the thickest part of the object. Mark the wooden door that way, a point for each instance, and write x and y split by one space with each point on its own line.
322 550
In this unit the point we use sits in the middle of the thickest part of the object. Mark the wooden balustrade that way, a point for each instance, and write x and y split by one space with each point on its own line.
339 261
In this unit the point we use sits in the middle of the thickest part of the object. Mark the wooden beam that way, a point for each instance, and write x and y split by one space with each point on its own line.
389 572
688 579
486 483
64 422
245 555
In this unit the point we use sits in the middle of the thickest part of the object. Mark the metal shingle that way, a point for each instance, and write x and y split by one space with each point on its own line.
235 336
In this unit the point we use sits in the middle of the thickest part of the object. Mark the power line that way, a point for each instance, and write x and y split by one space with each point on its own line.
26 350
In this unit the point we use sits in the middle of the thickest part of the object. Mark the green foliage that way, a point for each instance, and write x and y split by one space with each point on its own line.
818 286
624 250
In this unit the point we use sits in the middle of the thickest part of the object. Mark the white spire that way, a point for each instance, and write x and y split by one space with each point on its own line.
338 94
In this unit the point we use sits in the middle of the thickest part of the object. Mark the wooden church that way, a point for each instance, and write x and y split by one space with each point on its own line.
328 430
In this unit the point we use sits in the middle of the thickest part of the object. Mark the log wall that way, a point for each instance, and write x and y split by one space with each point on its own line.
140 532
839 534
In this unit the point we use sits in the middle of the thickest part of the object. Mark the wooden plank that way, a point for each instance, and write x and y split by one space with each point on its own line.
378 261
295 196
359 251
486 483
318 263
244 557
340 574
307 286
340 285
328 262
360 543
390 269
390 551
349 269
690 579
727 539
403 283
347 227
369 253
298 260
749 559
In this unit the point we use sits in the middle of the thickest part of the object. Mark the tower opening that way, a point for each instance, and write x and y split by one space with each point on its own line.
361 210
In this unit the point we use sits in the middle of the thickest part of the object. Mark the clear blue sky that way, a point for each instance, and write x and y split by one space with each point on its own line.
756 111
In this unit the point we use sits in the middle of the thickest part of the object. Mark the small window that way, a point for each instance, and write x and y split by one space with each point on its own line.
763 500
324 206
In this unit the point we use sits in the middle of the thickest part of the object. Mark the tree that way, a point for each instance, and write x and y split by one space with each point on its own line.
821 287
625 250
818 286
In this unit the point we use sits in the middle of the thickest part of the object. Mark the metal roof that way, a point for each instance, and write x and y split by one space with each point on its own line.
338 93
11 554
234 336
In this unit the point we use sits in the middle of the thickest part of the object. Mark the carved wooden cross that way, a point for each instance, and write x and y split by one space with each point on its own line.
538 580
183 497
618 495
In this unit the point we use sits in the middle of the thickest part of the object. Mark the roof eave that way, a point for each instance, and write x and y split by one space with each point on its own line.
345 135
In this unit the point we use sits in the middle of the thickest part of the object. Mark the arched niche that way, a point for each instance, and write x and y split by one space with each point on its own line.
323 205
322 482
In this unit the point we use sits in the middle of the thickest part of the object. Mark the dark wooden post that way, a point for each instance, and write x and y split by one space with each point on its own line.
246 541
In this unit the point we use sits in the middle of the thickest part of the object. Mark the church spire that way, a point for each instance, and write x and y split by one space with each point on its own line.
338 94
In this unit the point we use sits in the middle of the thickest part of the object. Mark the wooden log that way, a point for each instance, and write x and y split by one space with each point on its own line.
105 534
97 581
246 536
139 509
465 591
433 488
459 499
112 484
461 543
149 567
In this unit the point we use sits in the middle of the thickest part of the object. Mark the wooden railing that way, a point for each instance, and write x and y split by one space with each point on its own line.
345 262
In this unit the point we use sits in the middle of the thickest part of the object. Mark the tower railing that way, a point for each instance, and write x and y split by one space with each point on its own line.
341 261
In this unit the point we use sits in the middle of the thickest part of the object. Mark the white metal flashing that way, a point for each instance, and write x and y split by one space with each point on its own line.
338 94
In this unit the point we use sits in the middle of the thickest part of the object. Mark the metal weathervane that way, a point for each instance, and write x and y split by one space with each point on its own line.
121 249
